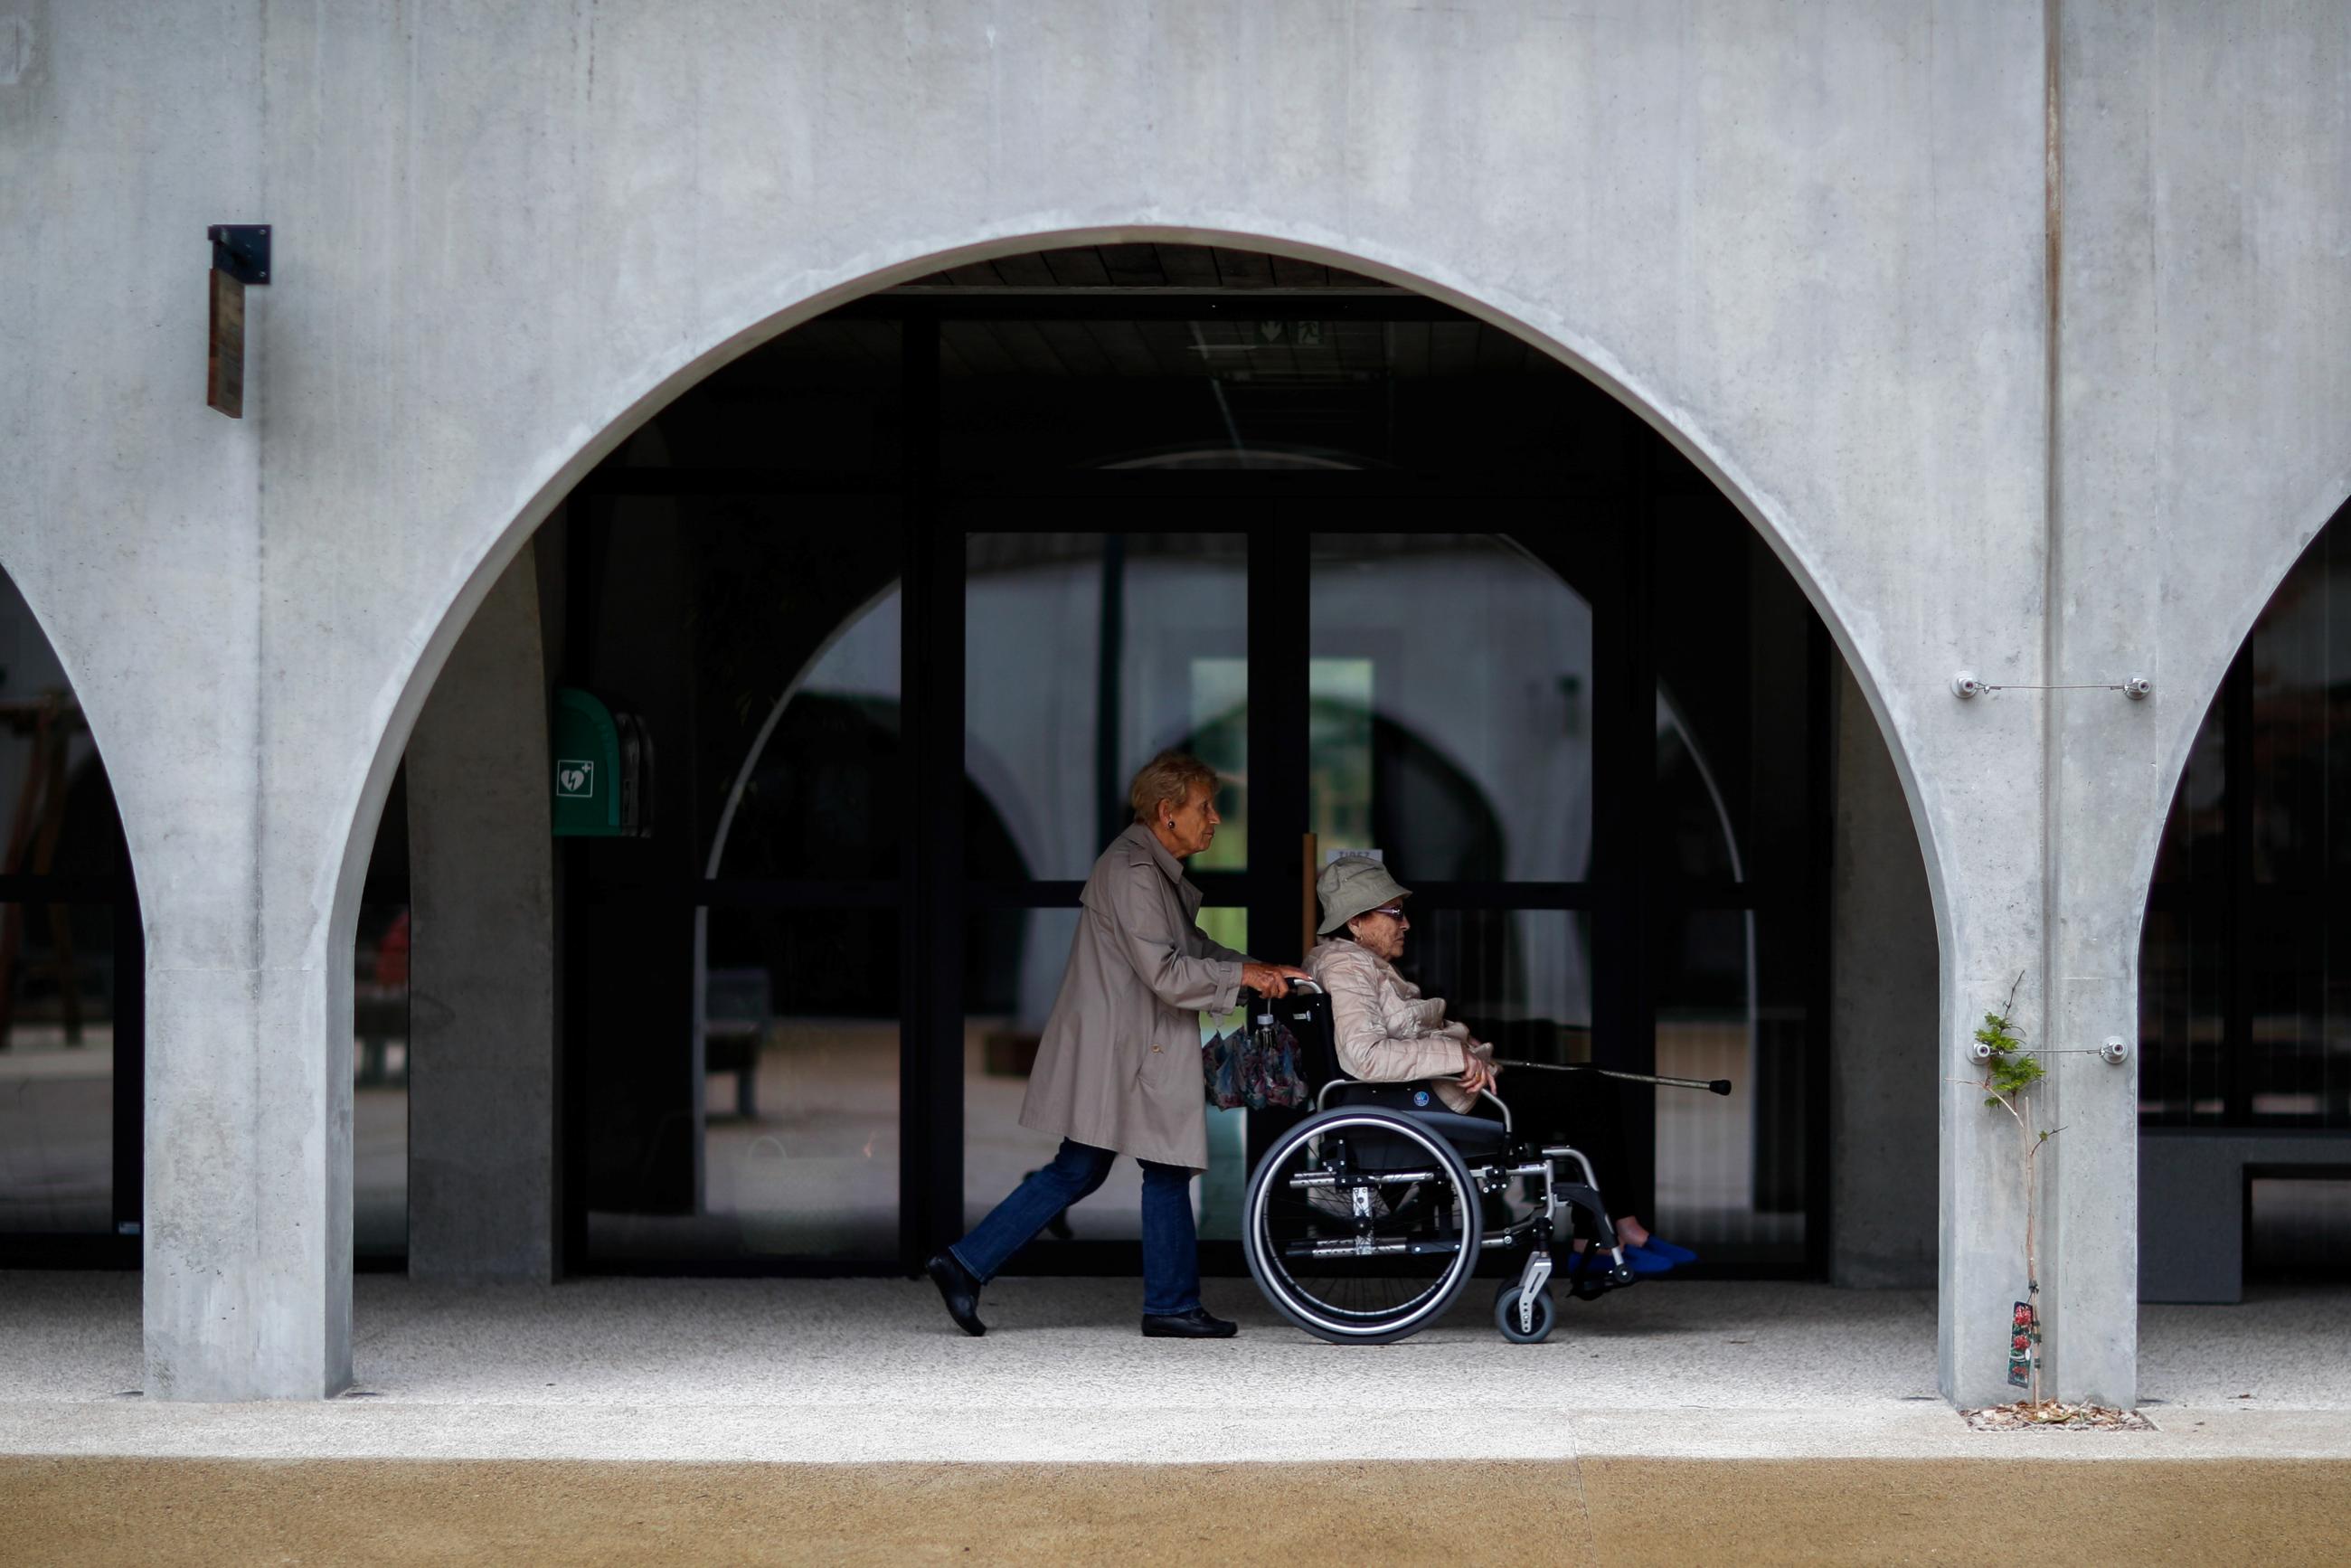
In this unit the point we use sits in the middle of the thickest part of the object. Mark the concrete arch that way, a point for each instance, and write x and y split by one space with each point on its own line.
791 301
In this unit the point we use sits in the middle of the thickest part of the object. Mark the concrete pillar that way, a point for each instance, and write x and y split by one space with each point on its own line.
2089 1286
247 1289
1882 1019
1979 763
481 1107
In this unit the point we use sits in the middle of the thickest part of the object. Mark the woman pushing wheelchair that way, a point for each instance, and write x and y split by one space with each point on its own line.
1118 1069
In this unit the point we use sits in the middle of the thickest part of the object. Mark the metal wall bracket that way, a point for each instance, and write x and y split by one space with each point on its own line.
1966 686
241 250
2116 1051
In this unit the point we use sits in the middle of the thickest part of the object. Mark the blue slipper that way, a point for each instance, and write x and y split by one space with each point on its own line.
1634 1258
1668 1250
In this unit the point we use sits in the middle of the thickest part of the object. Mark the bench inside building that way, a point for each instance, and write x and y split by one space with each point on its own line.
2196 1190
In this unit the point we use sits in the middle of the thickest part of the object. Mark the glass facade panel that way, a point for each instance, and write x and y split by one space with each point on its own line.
2295 1066
795 649
787 1145
1735 785
57 1069
2184 1065
1699 842
2245 985
2194 846
1084 655
1519 976
1730 1169
1450 687
2299 655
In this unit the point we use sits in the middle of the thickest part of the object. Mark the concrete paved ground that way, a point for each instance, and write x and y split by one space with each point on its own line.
713 1371
844 1421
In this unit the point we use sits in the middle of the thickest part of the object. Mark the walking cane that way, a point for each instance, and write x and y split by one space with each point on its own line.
1718 1085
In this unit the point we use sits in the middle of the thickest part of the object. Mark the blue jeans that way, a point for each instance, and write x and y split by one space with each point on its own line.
1171 1250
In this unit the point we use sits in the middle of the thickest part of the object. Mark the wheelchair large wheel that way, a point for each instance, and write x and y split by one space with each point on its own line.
1361 1225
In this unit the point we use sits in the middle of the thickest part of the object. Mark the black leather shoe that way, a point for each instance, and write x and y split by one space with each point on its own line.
959 1290
1193 1325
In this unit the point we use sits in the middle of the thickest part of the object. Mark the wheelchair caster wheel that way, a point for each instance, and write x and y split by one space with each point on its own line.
1506 1317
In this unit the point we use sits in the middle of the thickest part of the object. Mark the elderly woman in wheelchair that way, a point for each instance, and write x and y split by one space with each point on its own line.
1366 1221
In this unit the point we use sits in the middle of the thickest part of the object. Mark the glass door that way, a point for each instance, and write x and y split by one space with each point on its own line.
1086 652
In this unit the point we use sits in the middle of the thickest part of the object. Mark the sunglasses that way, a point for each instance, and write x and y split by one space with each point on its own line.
1392 910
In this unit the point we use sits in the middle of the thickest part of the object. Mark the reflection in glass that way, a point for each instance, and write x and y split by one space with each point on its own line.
1730 1170
1519 976
2300 652
794 640
2297 1066
2194 844
57 1069
1690 808
794 1124
2242 983
1450 684
2182 1075
380 1079
1085 654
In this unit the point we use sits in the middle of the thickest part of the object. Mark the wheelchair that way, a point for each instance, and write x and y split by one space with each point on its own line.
1365 1222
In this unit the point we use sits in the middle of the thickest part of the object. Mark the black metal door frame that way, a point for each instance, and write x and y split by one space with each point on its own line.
1594 539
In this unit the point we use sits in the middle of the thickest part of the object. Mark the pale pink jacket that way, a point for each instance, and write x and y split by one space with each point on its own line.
1386 1031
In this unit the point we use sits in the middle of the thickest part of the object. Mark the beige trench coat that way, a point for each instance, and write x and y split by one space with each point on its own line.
1119 1066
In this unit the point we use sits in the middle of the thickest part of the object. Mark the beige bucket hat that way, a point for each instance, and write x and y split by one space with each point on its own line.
1351 886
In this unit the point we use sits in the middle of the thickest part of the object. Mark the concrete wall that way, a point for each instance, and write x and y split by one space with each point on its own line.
482 1055
2049 431
1882 1021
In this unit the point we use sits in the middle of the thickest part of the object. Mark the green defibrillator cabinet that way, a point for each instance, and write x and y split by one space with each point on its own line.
602 772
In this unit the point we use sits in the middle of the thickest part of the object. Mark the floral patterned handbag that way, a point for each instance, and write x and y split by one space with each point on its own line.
1253 1069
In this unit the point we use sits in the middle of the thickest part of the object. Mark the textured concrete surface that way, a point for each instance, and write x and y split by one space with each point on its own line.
871 1371
1966 381
1881 1022
1594 1512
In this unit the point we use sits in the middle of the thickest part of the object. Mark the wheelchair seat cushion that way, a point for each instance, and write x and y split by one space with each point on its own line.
1472 1137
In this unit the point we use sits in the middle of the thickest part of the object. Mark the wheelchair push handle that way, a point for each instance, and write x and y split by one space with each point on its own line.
1712 1085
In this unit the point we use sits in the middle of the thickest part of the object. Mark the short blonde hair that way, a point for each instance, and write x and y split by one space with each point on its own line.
1168 777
